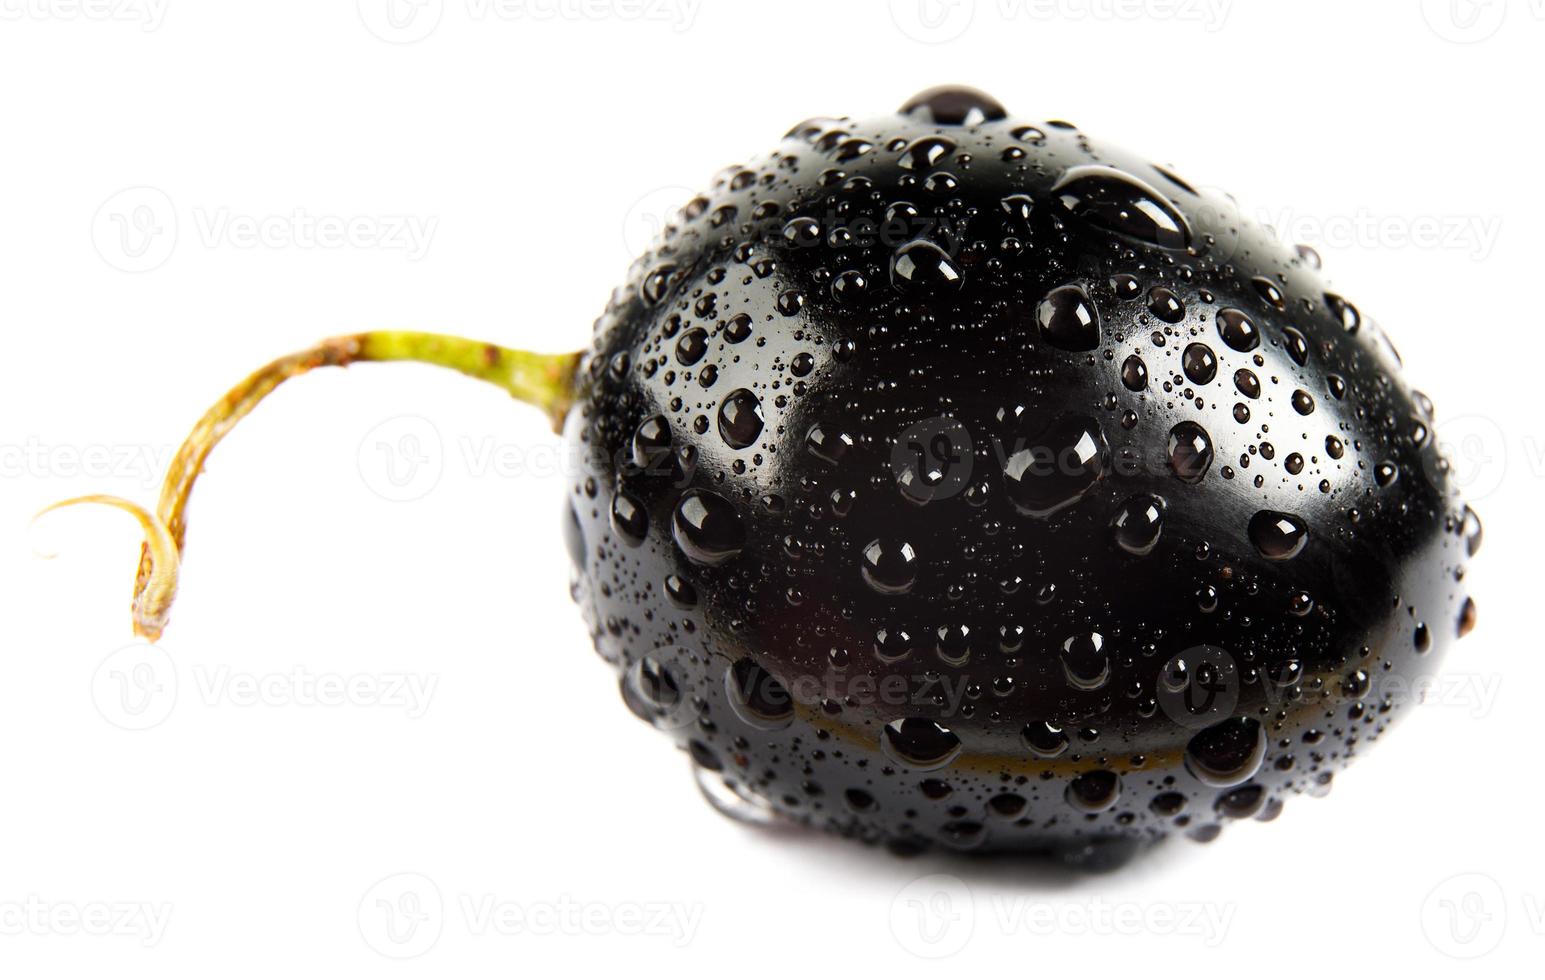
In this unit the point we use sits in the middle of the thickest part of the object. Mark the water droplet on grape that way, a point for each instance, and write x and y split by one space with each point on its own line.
740 419
1068 320
707 528
1276 535
919 743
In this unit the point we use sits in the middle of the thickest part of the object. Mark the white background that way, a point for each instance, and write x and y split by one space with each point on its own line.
496 171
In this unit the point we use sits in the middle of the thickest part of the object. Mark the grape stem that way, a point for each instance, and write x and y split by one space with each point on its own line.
547 381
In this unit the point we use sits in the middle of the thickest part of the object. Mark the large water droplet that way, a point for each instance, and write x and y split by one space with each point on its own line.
738 328
1190 451
652 683
692 346
802 232
1467 616
1134 373
1199 363
926 152
1165 305
920 265
1085 664
1045 740
827 443
953 105
1068 320
953 644
1345 313
860 800
1094 791
740 419
1471 530
1138 523
889 566
1228 753
656 284
1276 535
1058 467
1118 202
651 443
707 528
1241 803
1269 291
891 645
1238 330
629 519
680 591
757 697
1297 345
732 798
919 743
574 539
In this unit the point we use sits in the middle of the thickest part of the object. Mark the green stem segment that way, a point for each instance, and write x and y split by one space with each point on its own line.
545 380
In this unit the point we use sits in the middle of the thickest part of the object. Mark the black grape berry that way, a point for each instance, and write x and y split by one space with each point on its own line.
949 478
1024 497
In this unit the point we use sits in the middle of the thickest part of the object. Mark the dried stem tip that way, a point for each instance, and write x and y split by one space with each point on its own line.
544 380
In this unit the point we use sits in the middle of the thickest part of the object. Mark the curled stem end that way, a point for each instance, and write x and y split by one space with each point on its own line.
546 381
155 584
